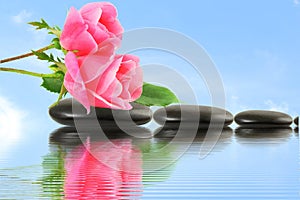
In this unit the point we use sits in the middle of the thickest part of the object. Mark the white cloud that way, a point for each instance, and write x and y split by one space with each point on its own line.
11 125
22 17
282 107
235 105
296 2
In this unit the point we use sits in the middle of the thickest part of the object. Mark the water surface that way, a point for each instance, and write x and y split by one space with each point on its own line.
244 164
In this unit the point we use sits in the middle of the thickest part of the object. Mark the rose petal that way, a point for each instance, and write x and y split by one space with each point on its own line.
131 72
113 91
75 36
73 81
136 84
103 103
109 75
95 64
99 32
109 19
91 12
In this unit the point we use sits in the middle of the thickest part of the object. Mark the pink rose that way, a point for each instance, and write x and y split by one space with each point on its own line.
104 79
85 29
103 170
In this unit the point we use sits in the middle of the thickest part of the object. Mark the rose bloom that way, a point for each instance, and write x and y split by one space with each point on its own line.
104 79
103 170
85 29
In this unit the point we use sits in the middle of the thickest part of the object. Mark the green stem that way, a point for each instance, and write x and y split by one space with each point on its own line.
26 54
63 91
20 71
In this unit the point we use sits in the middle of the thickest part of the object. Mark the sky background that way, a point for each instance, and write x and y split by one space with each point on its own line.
255 46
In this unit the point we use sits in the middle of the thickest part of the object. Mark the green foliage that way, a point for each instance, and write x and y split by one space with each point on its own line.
54 84
156 96
56 43
54 68
41 55
46 57
152 154
55 30
54 174
40 25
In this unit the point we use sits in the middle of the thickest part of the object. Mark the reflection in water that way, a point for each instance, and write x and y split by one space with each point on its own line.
97 169
102 170
70 135
223 139
148 154
159 159
263 135
165 133
123 169
54 172
296 131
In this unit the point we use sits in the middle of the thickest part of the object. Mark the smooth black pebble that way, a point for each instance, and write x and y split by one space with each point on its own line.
69 110
263 118
297 121
191 115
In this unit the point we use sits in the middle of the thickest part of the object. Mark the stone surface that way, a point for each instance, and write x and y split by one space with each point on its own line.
262 118
188 115
297 121
69 110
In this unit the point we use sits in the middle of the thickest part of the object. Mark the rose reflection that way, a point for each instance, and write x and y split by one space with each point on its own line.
103 170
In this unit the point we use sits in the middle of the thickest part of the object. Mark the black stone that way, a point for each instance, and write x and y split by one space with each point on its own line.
297 121
190 115
70 110
263 119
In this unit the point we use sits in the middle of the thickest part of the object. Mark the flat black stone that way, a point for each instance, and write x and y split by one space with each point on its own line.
297 121
70 110
189 115
262 118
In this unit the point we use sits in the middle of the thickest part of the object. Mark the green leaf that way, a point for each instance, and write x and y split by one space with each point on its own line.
156 96
54 68
56 43
53 84
41 55
40 25
44 25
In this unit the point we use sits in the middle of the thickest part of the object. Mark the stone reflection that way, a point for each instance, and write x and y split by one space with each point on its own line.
296 131
70 135
263 135
103 170
199 140
114 165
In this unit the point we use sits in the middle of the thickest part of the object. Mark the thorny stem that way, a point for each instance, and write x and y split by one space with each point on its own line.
26 54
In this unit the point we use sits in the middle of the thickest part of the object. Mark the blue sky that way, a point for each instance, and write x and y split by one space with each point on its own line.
255 46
